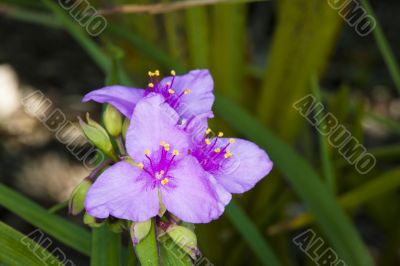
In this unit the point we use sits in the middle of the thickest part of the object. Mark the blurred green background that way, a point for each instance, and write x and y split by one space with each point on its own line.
263 56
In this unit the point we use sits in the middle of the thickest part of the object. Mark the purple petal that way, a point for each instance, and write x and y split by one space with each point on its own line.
154 121
119 191
193 197
200 98
121 97
248 165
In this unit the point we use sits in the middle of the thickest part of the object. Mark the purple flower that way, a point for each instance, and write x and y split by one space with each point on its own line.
190 95
236 164
164 173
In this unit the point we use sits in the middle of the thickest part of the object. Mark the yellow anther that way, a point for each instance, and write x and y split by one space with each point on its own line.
175 152
168 83
231 141
220 134
157 73
171 91
173 73
140 165
166 147
151 85
186 91
147 152
217 150
150 73
164 181
162 143
227 155
207 141
208 130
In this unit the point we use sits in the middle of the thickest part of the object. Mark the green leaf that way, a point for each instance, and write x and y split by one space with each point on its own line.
147 249
306 183
66 232
17 249
197 36
305 34
106 247
323 142
384 46
80 35
381 185
227 51
251 235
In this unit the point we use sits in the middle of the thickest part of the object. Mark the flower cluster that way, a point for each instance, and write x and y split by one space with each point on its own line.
174 162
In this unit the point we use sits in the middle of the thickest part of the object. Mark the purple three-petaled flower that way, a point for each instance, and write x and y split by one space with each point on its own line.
164 173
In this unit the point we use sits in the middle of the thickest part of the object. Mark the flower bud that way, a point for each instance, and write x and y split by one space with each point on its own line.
140 230
112 120
98 136
184 238
78 196
92 221
125 127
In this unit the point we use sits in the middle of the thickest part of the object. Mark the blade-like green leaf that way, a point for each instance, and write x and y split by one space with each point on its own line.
147 249
384 46
197 36
251 235
380 185
304 37
323 142
320 201
17 249
106 247
62 230
228 39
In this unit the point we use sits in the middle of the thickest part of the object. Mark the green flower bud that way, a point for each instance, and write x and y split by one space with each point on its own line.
112 120
98 136
140 230
184 238
125 127
78 196
91 221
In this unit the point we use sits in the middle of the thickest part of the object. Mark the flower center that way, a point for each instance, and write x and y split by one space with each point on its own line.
211 152
166 90
158 164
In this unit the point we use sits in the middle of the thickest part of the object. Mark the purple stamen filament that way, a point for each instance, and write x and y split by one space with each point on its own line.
167 91
158 166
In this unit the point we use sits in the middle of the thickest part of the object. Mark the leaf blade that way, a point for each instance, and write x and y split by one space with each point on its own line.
17 249
64 231
335 225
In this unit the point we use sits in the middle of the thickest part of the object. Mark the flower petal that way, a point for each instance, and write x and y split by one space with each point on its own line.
121 97
248 165
200 98
154 121
193 198
119 191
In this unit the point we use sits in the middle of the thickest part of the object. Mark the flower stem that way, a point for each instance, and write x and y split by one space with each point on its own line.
98 169
120 145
